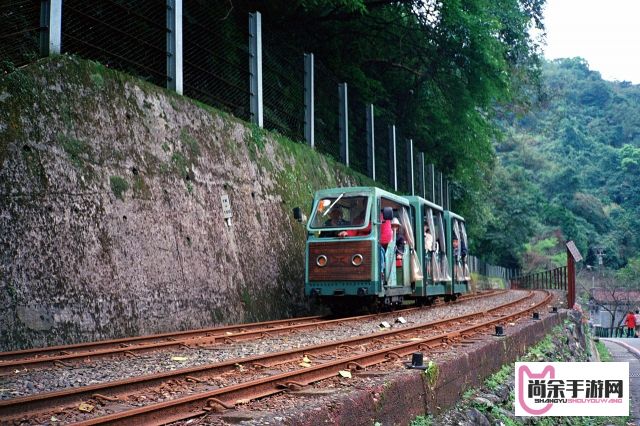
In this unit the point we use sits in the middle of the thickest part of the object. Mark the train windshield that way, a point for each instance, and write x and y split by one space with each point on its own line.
343 211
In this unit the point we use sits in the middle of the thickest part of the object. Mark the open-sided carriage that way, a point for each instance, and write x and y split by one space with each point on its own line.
366 248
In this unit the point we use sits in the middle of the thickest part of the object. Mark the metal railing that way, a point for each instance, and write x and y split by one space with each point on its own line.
553 279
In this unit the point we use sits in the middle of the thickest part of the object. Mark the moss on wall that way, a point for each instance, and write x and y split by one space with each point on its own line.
110 189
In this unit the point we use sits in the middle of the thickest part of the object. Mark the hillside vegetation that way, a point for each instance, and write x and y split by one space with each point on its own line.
569 169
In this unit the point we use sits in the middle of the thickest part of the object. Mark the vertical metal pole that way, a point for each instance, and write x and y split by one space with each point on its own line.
442 190
309 100
432 169
44 27
255 68
423 188
344 123
448 192
371 143
393 176
174 45
410 172
571 274
51 19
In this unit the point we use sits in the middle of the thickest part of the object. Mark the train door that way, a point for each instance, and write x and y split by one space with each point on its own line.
432 268
442 248
397 251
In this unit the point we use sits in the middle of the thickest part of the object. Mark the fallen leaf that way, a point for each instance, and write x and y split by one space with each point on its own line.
304 364
306 359
243 401
179 358
54 419
346 374
85 408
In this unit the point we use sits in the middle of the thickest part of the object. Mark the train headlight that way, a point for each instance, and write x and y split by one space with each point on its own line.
356 260
321 260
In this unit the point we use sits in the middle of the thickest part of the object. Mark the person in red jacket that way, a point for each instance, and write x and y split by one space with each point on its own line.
631 324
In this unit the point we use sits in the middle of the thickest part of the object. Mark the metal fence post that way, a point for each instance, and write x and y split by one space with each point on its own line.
255 68
423 188
448 193
44 28
309 99
432 172
174 45
442 190
410 175
344 123
371 143
51 21
393 177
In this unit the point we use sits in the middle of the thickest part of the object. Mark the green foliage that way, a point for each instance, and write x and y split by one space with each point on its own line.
435 69
119 186
630 273
579 150
422 421
603 352
431 373
495 380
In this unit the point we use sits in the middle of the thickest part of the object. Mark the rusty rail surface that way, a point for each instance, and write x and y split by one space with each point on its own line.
28 406
199 404
153 338
227 334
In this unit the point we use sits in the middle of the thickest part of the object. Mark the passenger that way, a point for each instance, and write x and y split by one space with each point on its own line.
359 220
637 316
428 239
335 218
386 233
630 322
400 243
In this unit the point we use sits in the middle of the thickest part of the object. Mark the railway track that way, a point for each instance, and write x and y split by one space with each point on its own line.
63 355
355 353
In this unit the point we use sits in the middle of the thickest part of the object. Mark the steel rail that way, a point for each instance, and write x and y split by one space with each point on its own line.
199 404
56 350
18 407
170 340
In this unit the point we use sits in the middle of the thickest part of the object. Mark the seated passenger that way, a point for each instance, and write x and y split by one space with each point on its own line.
428 239
359 220
335 218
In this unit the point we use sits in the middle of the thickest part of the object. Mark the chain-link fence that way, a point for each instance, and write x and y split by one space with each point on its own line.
19 33
327 103
283 85
129 35
382 129
216 56
134 36
357 132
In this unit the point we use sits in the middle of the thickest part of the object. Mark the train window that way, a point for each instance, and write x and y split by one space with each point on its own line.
429 230
343 211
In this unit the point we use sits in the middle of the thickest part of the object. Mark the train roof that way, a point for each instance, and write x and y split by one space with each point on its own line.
414 199
369 190
455 216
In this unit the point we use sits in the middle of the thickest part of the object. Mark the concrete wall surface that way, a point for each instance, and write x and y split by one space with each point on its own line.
111 220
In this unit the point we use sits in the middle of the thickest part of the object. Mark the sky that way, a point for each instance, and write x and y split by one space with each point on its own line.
604 32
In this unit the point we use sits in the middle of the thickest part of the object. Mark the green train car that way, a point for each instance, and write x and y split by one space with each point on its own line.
369 248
